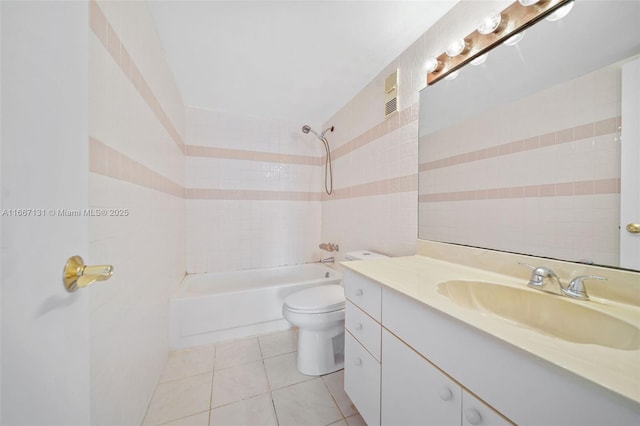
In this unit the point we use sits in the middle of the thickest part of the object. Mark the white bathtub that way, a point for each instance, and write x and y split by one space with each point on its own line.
207 308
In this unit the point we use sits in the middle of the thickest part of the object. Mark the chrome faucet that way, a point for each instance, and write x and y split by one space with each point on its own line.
576 289
328 260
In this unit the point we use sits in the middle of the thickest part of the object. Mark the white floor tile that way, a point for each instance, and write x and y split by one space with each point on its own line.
279 343
306 403
282 371
239 382
356 420
256 411
200 419
179 398
236 353
188 362
340 423
335 383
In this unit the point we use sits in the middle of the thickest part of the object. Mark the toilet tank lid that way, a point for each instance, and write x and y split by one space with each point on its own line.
364 255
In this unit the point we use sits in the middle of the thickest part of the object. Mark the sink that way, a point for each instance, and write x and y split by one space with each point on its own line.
545 313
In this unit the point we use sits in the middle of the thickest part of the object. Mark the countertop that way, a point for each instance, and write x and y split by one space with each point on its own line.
418 277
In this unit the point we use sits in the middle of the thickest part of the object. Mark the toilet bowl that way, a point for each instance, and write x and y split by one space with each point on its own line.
318 312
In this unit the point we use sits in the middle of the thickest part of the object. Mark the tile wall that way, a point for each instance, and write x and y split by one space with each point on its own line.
550 188
252 192
376 159
137 173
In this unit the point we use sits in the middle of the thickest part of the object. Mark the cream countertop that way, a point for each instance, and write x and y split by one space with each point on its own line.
418 277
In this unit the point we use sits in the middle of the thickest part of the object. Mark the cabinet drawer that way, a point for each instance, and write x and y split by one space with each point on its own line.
363 292
362 380
364 328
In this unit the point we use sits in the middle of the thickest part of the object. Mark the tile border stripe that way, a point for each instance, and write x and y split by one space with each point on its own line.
106 161
596 128
109 39
587 187
239 154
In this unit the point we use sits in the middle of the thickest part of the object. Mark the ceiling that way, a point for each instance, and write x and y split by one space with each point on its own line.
300 60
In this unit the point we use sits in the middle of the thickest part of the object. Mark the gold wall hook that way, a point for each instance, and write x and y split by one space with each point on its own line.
78 275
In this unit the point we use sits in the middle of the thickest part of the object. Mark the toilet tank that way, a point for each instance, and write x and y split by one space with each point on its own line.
363 255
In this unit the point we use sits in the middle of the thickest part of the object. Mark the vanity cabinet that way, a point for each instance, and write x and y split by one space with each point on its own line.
362 346
415 392
407 363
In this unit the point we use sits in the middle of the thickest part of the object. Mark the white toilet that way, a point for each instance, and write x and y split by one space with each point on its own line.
318 312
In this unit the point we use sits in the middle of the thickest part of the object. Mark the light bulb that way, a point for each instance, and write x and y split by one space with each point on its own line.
480 59
513 40
453 75
490 24
528 2
432 65
456 48
560 12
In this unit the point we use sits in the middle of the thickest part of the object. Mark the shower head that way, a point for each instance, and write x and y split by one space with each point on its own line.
306 129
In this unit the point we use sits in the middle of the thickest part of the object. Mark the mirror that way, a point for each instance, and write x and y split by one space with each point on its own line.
522 153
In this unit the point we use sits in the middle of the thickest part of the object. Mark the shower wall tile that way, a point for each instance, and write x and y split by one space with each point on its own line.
136 128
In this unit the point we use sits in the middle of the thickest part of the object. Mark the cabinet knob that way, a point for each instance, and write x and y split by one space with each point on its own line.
473 416
357 361
358 292
358 326
446 394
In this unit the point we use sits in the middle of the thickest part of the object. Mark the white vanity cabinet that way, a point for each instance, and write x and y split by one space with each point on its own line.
415 392
362 345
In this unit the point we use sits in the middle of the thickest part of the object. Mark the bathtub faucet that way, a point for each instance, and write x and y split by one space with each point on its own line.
328 260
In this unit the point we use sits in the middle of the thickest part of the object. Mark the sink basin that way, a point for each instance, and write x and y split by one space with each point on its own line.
545 313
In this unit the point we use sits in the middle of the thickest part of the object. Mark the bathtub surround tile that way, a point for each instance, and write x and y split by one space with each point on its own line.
282 371
237 352
256 411
279 343
239 382
179 398
335 384
307 403
188 362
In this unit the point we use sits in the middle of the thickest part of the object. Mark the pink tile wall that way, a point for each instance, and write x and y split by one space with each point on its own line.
137 167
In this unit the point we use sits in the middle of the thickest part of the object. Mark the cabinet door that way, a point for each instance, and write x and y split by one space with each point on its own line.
414 392
476 412
362 380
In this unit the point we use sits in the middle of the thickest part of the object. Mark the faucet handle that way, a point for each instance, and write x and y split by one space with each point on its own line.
538 274
576 288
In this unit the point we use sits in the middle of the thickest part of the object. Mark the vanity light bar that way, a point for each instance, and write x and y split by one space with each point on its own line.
515 17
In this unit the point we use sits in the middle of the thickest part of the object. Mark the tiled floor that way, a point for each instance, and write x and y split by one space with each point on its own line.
248 382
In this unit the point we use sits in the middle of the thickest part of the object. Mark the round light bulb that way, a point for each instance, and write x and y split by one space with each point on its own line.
490 24
432 65
453 75
560 13
480 59
528 2
456 48
515 39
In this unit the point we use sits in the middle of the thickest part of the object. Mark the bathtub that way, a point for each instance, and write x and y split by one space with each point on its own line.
207 308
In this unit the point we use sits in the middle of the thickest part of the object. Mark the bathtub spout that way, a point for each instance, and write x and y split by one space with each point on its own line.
328 260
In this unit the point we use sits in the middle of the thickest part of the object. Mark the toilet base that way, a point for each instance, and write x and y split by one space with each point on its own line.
321 352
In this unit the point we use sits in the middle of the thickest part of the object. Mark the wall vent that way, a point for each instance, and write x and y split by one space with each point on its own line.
391 94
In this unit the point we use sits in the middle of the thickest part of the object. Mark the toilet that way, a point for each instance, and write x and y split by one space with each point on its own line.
318 312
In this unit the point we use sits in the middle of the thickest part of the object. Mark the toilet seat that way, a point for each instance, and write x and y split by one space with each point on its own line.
316 300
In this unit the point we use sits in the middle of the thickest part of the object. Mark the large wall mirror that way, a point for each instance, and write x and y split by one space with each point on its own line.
523 152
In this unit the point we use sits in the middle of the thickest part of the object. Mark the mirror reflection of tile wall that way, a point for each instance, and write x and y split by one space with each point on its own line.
540 175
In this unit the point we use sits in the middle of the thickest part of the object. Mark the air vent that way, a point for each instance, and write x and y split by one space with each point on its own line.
391 94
